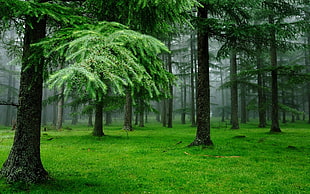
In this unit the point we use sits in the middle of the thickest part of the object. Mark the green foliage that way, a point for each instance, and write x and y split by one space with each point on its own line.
117 163
106 53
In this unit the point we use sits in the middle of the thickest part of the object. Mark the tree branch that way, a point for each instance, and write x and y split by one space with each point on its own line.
2 102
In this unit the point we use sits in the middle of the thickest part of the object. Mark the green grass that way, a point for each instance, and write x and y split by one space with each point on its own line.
153 160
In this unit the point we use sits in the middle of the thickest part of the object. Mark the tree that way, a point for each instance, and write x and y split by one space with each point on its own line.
24 162
203 90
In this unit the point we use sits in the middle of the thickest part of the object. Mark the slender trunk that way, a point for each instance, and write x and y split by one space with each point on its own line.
44 109
283 112
203 90
275 127
183 98
223 97
234 91
193 109
54 110
128 112
8 115
141 113
260 91
164 113
60 110
74 113
98 128
108 118
90 119
159 110
243 104
170 100
24 161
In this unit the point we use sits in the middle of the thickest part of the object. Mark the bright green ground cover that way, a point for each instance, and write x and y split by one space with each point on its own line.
153 160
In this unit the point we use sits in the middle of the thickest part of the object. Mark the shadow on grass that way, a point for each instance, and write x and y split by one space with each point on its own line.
59 186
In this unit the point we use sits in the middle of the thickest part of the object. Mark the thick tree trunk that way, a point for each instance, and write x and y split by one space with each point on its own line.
98 128
275 127
24 161
234 91
128 112
203 90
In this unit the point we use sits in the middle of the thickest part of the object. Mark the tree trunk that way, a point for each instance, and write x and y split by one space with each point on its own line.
164 113
193 109
108 118
98 128
223 97
24 161
283 111
170 100
141 113
203 90
234 91
128 112
260 91
243 104
275 127
60 110
90 119
8 115
74 111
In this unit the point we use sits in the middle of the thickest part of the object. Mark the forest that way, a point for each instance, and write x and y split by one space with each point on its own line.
155 96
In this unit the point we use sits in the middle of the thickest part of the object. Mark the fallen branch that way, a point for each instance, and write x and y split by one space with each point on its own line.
212 156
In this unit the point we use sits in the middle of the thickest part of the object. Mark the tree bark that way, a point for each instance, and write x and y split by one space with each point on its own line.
128 112
60 110
234 91
275 127
24 161
193 109
98 127
203 90
141 112
260 91
243 104
170 100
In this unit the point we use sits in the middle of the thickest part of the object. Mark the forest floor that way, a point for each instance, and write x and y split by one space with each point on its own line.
155 159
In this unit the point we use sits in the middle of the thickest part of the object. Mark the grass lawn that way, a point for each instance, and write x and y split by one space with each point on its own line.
154 159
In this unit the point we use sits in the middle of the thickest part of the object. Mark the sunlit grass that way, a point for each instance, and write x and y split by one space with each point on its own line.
157 160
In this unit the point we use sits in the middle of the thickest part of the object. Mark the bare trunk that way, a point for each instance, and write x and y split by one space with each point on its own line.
260 91
60 110
234 91
98 128
275 127
193 109
203 90
128 112
24 161
170 100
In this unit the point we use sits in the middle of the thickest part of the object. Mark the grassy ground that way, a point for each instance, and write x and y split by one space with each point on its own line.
157 160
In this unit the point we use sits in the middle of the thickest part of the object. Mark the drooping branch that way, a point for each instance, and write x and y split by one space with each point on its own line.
3 102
